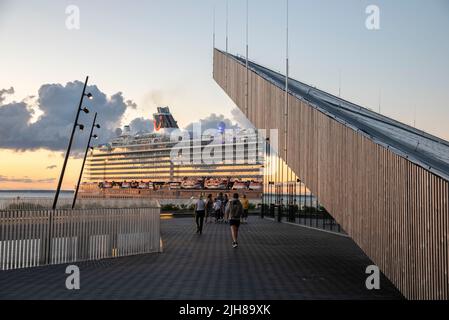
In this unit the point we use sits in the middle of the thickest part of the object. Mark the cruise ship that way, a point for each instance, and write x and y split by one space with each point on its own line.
140 165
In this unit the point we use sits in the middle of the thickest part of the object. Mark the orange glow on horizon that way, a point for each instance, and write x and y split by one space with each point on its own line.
36 170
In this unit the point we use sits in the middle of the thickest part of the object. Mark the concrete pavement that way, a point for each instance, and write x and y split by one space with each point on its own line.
273 261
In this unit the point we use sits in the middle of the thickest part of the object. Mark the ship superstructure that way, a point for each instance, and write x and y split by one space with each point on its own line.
145 161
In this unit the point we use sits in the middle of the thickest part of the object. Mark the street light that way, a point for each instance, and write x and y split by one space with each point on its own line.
94 125
61 177
75 124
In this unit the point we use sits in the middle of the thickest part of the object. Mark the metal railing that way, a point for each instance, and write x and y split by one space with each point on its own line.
30 238
93 203
305 216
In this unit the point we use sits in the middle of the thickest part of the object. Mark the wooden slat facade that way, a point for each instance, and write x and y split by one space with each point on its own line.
395 210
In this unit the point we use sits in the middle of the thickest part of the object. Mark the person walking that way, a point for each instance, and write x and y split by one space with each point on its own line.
234 210
209 208
200 211
222 208
217 210
245 204
224 204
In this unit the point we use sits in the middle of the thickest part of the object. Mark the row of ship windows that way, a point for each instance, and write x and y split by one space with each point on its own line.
150 166
165 178
167 164
178 173
168 154
165 159
120 150
178 168
161 159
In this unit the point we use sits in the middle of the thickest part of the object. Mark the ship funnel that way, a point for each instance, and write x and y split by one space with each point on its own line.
163 119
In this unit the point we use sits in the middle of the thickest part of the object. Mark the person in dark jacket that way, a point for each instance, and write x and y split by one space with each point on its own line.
209 208
225 203
220 198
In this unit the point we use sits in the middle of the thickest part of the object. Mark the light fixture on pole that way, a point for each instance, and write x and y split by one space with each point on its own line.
75 125
61 177
94 136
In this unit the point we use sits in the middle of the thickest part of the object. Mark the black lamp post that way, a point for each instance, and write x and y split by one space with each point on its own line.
94 125
61 177
76 124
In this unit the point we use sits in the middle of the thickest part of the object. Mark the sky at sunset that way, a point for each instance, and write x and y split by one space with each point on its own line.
143 54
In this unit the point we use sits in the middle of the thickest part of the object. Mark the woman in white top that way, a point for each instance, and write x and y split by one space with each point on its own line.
217 210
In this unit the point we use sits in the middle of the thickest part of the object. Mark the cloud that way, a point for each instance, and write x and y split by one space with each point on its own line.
46 121
25 180
56 104
212 122
139 125
162 97
241 119
155 97
131 104
51 167
4 92
118 132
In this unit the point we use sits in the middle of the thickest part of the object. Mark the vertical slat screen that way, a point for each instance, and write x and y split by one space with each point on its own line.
396 211
76 235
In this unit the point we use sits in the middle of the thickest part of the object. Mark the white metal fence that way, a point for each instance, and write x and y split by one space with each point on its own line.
66 203
30 238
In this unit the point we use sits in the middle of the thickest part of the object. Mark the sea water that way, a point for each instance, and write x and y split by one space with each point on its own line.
38 194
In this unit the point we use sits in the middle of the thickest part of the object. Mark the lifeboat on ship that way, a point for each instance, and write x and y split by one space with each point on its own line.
239 185
107 185
175 185
216 184
143 185
255 185
192 184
